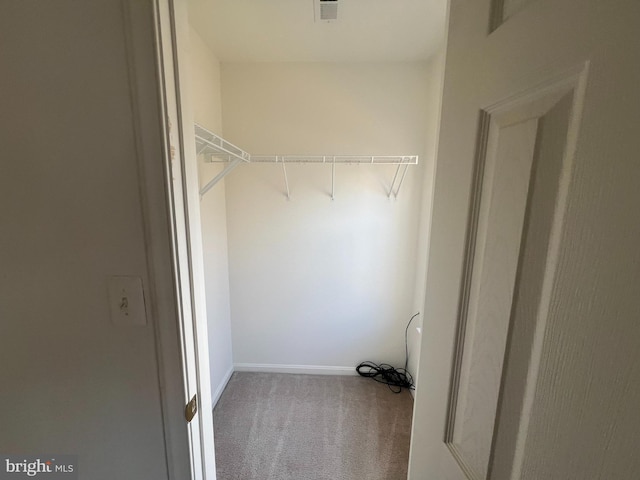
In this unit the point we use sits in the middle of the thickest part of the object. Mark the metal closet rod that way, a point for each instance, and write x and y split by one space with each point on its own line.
222 151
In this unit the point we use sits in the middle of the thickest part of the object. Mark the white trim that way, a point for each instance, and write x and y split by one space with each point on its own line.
552 261
223 384
305 369
189 260
147 92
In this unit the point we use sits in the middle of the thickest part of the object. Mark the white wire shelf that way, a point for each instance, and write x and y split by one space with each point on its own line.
216 149
342 159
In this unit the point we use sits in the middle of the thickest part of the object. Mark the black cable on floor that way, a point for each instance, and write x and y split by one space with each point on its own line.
395 378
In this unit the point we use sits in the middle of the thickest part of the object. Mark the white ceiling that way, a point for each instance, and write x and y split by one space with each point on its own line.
285 31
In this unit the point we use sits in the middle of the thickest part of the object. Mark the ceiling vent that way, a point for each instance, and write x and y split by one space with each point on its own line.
326 10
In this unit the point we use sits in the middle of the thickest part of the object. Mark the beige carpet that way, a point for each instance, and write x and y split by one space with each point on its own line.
271 426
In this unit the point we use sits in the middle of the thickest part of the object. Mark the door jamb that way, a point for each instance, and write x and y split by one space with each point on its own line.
142 21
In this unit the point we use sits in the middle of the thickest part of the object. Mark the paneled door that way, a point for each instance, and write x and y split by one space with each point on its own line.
529 366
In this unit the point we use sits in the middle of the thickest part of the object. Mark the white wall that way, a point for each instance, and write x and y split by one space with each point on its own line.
205 84
434 93
71 215
313 281
207 111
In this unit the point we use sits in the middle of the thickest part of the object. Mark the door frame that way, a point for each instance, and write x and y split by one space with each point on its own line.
157 203
174 31
163 21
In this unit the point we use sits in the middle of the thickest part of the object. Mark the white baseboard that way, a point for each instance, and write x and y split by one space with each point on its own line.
218 393
306 369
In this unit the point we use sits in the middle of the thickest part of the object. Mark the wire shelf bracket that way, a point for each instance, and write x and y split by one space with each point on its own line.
395 177
214 147
217 148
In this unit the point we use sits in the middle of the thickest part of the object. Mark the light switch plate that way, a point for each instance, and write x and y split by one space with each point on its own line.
126 300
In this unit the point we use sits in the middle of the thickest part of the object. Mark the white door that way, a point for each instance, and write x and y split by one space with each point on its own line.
187 241
529 366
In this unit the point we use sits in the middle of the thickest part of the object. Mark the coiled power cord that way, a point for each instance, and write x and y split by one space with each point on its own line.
395 378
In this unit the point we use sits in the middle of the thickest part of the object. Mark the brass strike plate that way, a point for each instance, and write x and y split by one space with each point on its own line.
191 409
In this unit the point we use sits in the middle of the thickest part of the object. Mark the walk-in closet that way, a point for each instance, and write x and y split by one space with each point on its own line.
315 126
